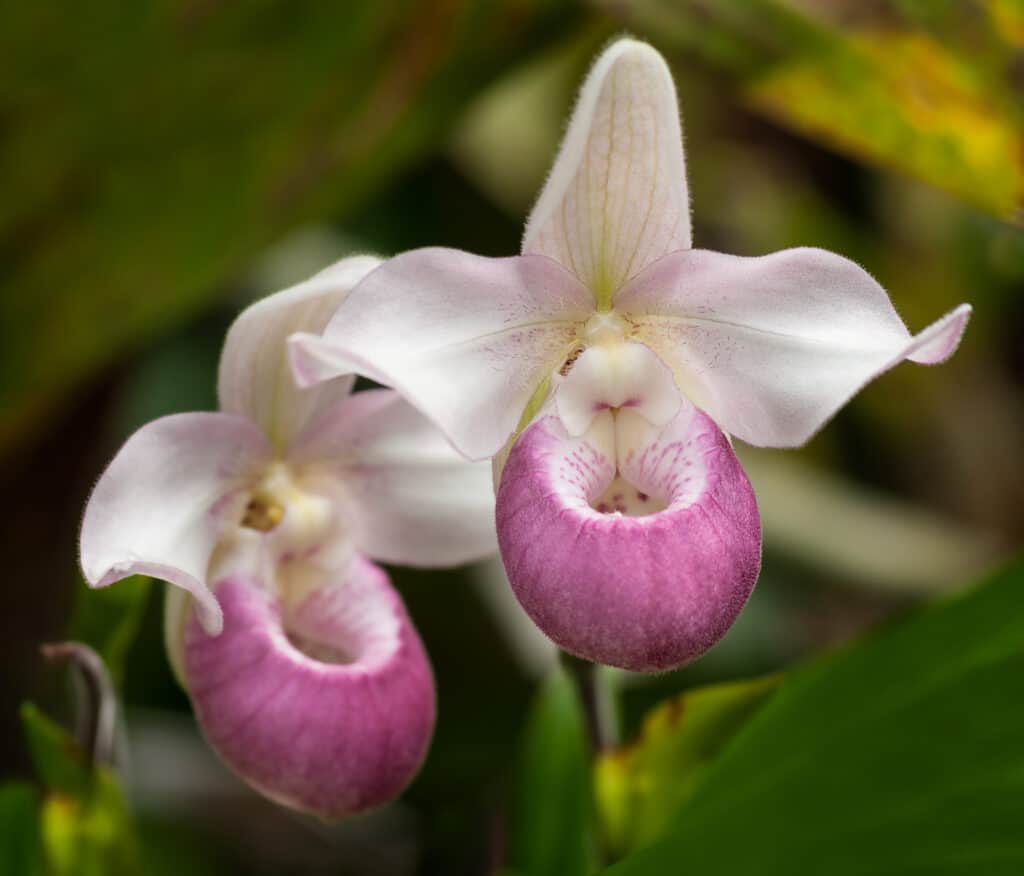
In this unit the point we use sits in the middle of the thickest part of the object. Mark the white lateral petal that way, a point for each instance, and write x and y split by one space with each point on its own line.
162 504
617 197
771 347
413 499
466 339
622 375
255 379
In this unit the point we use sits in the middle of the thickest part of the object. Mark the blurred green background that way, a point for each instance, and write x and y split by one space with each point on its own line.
165 163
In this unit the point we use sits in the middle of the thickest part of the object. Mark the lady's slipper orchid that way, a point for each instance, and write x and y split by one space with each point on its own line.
305 671
618 358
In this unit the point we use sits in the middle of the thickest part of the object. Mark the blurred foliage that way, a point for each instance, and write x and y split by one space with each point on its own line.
151 151
109 619
83 821
930 89
641 786
60 764
21 849
551 826
897 755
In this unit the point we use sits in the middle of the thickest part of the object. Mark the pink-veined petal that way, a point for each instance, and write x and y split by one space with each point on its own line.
255 379
412 498
633 545
771 347
327 709
162 504
617 197
466 339
623 375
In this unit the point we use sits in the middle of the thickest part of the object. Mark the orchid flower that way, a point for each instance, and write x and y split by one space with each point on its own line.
306 673
612 361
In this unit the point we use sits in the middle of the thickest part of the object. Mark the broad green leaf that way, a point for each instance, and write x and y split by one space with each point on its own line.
550 831
641 786
20 848
151 151
902 754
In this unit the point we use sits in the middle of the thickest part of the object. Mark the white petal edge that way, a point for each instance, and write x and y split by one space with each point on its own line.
623 375
771 347
413 499
466 339
617 197
161 505
255 380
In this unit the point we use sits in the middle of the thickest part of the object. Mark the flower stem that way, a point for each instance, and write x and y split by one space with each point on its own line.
596 699
96 704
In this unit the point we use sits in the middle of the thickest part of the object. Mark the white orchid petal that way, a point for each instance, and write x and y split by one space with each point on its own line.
466 339
160 507
771 347
255 379
622 375
617 197
414 500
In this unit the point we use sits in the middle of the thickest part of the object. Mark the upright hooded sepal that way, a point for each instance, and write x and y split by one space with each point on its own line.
327 707
643 591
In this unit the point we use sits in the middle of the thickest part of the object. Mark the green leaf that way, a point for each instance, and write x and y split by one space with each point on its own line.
640 787
551 831
84 822
900 755
58 759
20 848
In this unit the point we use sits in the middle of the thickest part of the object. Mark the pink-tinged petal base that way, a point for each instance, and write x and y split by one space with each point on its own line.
648 592
338 727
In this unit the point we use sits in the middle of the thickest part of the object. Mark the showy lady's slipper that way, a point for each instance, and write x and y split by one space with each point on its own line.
618 359
304 669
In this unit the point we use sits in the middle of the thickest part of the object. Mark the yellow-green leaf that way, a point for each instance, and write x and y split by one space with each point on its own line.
904 101
640 787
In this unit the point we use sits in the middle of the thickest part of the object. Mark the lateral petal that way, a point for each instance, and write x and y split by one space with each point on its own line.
255 379
617 196
771 347
413 499
466 339
163 502
327 709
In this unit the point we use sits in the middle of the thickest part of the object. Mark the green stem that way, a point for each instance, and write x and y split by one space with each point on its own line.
95 702
596 699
